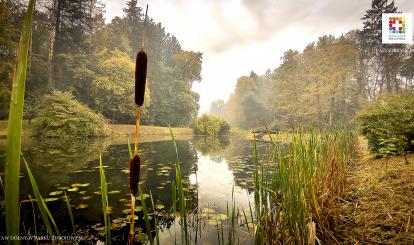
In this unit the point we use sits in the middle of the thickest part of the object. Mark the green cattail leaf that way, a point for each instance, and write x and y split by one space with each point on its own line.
14 128
44 210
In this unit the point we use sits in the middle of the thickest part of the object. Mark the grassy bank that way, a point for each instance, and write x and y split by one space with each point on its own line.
122 132
117 132
378 205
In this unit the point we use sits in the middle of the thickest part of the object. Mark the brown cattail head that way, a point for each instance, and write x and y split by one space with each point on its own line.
140 77
134 169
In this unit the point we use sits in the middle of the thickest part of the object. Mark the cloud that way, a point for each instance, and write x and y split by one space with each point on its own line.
237 36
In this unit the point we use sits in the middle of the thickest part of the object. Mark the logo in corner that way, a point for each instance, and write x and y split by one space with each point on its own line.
397 28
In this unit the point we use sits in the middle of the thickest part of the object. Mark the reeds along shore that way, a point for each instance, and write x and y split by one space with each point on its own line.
298 203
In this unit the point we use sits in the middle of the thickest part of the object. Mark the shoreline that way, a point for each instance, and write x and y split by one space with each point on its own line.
121 133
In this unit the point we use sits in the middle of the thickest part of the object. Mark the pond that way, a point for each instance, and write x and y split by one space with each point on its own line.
209 166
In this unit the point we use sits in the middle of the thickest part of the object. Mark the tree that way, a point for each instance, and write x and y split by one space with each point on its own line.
289 87
211 126
63 116
134 23
218 108
384 64
388 124
173 102
112 88
10 17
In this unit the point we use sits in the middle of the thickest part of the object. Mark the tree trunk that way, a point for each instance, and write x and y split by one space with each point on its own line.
50 82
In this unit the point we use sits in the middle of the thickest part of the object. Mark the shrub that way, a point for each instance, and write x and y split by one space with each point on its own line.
211 125
388 124
61 115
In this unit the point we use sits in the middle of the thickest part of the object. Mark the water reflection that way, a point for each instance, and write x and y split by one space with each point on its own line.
210 167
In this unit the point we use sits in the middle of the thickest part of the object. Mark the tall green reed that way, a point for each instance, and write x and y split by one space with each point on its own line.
105 202
298 203
178 191
146 216
14 128
70 212
44 210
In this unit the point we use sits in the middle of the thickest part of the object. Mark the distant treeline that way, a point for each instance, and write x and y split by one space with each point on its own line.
74 50
327 83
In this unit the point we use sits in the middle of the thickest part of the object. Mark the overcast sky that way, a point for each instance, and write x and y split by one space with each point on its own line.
237 36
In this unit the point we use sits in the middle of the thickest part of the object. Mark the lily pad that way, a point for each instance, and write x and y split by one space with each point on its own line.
144 196
159 206
208 210
55 193
50 199
82 206
86 197
141 238
119 220
73 189
128 217
114 192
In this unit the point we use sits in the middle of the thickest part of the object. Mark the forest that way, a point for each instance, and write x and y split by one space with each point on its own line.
103 139
74 50
327 83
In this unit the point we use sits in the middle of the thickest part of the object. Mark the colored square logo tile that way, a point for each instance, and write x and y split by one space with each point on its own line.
397 28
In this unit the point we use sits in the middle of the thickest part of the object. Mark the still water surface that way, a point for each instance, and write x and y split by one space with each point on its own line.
210 167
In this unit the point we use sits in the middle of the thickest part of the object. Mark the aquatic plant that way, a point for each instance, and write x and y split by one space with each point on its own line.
178 191
298 203
70 212
14 127
44 210
105 202
135 162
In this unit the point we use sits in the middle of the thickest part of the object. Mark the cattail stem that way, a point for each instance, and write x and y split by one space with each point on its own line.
132 221
135 162
143 30
138 118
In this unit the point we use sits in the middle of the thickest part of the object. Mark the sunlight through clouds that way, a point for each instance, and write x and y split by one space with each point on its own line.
237 36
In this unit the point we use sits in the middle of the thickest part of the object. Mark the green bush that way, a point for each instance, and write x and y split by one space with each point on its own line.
61 116
388 124
211 125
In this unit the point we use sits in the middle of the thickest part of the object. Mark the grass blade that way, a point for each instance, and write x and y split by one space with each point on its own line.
44 211
14 128
145 210
155 220
34 217
105 204
70 212
130 150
